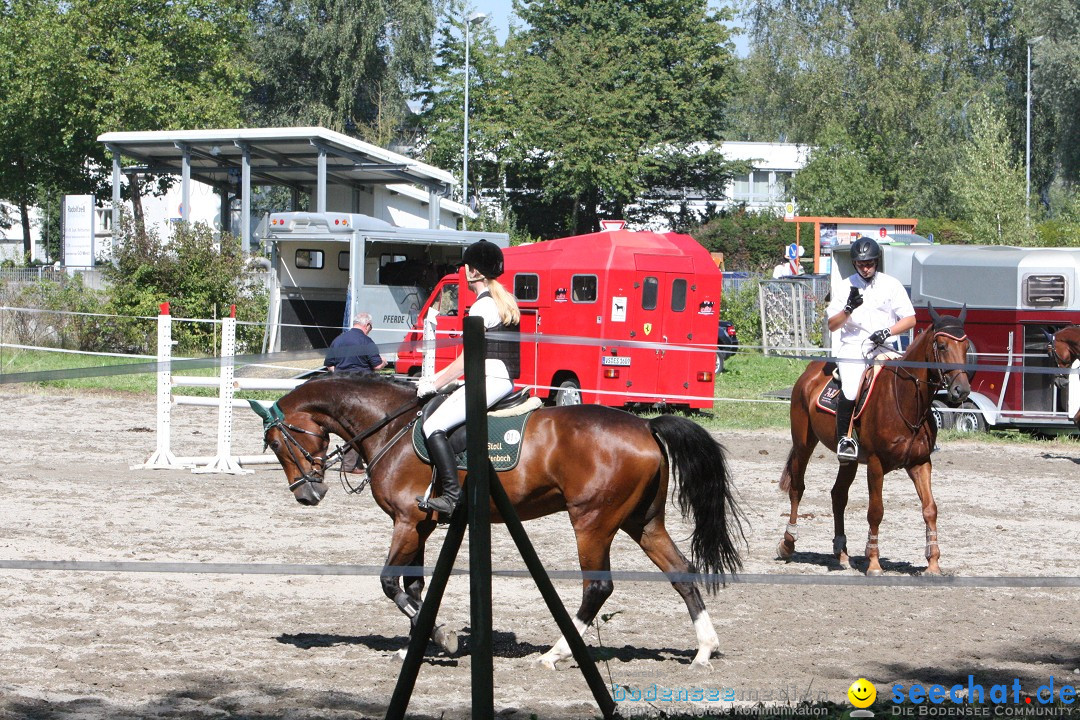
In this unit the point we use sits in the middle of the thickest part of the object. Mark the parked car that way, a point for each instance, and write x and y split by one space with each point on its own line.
726 344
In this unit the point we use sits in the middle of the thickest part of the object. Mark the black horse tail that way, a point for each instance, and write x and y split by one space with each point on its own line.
699 466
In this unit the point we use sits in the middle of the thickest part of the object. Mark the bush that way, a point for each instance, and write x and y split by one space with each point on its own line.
198 273
60 295
741 308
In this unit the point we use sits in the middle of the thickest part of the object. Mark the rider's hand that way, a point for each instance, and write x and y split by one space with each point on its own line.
425 386
854 300
879 337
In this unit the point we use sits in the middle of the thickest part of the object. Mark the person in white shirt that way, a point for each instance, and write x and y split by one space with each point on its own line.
483 262
875 308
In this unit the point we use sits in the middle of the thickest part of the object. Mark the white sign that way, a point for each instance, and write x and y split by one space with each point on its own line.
78 224
789 210
618 309
612 225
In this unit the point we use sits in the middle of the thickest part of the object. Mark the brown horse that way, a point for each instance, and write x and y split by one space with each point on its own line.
895 429
608 469
1063 347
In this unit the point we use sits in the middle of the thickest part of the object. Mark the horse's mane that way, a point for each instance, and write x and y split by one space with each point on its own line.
336 391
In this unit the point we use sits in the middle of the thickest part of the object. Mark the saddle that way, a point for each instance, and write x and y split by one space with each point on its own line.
830 394
506 427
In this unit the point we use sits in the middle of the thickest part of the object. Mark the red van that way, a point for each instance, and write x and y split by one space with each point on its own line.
613 318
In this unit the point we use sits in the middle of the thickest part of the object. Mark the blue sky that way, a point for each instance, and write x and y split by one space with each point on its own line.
499 11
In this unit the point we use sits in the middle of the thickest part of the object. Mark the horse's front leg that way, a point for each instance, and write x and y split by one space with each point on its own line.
407 550
875 477
920 475
845 475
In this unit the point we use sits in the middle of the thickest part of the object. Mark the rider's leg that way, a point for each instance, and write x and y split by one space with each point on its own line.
847 448
450 414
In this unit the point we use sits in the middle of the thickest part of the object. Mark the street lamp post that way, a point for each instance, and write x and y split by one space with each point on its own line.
1027 154
476 17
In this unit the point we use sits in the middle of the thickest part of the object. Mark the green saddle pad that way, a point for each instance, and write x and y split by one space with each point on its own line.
504 442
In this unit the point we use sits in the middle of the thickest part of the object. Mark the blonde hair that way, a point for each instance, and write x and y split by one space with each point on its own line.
505 302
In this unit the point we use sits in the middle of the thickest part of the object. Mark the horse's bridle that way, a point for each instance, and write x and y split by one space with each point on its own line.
321 463
1051 349
944 378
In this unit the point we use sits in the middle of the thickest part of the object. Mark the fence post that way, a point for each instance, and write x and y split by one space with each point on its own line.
162 458
225 461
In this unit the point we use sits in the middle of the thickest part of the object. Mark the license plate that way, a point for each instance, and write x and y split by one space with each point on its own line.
616 360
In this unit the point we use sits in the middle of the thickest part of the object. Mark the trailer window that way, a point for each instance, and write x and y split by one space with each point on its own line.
583 288
527 287
1044 290
309 259
649 292
678 295
343 260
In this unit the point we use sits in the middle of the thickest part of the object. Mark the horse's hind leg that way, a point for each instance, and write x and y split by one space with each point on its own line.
594 553
844 477
657 544
793 481
920 475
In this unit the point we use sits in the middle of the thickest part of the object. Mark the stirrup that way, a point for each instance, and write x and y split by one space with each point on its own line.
847 450
437 504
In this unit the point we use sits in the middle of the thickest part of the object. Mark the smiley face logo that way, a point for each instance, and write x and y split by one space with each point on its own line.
862 693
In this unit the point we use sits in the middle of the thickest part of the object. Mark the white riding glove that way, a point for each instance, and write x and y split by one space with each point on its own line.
425 386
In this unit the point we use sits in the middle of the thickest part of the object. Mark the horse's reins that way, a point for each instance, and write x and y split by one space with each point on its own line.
325 462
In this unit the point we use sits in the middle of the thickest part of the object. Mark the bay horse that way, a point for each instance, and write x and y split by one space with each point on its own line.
608 469
895 430
1063 347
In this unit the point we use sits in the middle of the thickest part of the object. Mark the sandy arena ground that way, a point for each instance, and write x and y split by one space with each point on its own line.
94 645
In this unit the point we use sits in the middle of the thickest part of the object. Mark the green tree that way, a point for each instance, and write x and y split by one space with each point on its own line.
837 180
73 69
989 183
347 65
611 100
897 77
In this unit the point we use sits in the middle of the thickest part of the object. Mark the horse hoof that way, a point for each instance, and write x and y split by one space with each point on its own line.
785 551
701 665
932 571
446 639
545 662
875 572
400 654
843 561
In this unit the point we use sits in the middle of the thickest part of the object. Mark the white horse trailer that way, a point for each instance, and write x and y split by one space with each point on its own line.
329 266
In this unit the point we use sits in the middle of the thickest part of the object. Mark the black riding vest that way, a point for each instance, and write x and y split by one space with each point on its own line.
509 351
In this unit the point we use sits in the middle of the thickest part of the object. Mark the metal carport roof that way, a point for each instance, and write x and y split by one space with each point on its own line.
299 158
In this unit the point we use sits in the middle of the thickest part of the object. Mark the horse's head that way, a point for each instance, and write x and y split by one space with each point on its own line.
300 445
950 347
1060 345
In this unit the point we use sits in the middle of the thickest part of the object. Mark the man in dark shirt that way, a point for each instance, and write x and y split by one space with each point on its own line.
353 350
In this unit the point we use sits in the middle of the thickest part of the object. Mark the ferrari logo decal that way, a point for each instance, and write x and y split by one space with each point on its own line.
648 328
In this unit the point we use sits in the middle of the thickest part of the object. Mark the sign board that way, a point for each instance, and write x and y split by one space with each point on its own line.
789 210
793 252
77 217
609 225
618 309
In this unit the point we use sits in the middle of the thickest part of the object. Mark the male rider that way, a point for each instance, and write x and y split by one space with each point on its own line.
875 308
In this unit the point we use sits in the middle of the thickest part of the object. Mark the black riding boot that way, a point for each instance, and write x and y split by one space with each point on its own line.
442 456
847 449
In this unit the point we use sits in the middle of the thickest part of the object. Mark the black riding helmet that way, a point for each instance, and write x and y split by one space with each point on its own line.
865 248
484 257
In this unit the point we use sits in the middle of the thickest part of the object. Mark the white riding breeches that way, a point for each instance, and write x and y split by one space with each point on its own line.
852 361
452 412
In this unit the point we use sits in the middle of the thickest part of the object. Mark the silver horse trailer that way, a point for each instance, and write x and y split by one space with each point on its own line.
328 266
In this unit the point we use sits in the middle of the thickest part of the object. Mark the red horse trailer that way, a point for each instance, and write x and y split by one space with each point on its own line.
626 318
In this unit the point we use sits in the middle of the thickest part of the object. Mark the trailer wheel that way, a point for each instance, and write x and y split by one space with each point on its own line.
970 419
569 393
942 418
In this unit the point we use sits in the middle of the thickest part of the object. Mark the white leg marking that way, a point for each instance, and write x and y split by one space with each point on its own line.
708 642
561 649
